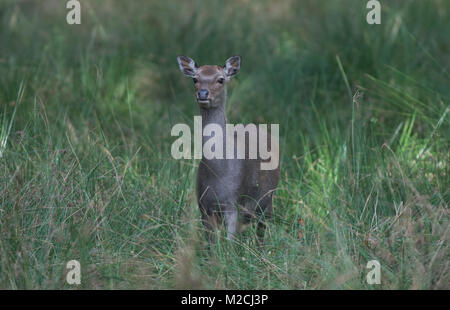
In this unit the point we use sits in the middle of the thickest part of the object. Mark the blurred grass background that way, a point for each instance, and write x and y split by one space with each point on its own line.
85 165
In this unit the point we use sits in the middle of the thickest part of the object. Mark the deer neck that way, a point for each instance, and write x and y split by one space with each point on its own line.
215 115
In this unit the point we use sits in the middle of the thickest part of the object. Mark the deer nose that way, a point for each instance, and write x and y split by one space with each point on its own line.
203 94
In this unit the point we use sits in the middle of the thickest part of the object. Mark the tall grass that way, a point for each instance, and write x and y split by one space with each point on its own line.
85 165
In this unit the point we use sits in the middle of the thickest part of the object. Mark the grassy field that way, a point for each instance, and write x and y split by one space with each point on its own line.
85 166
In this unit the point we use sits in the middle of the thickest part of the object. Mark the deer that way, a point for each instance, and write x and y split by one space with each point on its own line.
231 191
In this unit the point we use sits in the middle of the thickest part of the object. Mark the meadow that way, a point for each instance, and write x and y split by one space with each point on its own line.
86 171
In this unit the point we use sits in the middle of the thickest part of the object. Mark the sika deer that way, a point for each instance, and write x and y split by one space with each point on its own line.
237 190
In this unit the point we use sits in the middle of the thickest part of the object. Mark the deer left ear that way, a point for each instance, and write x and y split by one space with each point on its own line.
187 66
232 66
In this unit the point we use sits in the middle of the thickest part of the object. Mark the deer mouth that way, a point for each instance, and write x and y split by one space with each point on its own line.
204 103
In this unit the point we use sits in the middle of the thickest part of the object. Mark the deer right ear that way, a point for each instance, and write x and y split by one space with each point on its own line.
232 66
187 66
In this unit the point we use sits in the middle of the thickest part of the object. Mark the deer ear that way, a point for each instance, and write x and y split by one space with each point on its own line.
232 66
187 66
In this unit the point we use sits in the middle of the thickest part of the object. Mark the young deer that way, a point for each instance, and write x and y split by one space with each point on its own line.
236 190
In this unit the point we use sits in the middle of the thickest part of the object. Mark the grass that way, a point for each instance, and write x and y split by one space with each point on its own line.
85 165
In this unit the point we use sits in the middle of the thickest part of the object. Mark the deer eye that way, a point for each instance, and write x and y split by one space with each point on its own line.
220 81
195 80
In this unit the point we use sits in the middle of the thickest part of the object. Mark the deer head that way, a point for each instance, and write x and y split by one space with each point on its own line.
210 81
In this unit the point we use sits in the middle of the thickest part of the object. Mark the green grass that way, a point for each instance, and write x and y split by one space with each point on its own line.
85 165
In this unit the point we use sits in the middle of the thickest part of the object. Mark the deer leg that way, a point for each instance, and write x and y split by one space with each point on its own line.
260 232
263 212
231 222
210 222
